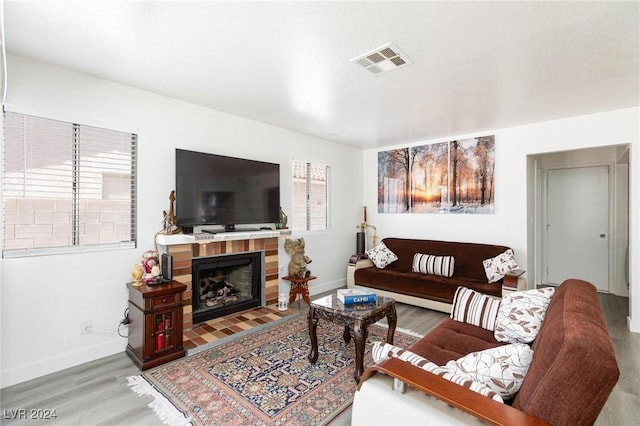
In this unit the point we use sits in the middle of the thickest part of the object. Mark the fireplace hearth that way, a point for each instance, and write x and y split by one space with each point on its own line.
226 284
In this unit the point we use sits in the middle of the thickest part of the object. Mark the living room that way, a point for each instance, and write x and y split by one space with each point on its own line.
41 314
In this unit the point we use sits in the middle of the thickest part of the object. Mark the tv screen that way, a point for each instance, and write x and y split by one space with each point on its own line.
218 190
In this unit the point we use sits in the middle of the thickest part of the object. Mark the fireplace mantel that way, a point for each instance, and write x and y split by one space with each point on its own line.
204 238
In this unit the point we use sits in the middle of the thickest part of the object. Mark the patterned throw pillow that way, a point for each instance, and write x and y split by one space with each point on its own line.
381 351
502 369
381 256
497 267
433 265
475 308
521 314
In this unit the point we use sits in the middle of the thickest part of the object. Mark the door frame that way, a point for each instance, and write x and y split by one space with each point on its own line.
610 219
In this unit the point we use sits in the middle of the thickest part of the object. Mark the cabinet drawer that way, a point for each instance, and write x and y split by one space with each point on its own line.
162 301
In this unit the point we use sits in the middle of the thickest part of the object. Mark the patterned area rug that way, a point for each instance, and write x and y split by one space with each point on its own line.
264 378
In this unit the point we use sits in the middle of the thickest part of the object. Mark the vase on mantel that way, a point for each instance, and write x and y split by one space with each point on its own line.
283 220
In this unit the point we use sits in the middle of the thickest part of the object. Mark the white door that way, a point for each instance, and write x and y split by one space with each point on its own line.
578 225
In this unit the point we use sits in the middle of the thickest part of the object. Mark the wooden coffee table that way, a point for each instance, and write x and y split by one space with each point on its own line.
355 319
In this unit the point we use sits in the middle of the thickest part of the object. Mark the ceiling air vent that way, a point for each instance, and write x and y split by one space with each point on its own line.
382 60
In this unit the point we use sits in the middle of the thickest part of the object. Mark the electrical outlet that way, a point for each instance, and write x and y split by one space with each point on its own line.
85 327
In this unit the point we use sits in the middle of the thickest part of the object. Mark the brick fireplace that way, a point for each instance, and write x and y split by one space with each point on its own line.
185 252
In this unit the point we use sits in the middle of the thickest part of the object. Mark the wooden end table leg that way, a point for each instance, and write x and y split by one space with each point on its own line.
313 336
359 339
304 291
392 320
293 292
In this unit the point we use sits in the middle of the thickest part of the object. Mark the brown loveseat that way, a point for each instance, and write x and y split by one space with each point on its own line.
397 280
571 375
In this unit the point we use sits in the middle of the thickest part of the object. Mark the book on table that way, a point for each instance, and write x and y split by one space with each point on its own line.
351 296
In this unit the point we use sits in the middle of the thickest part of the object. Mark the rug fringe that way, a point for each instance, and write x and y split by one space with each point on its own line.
403 330
161 406
409 332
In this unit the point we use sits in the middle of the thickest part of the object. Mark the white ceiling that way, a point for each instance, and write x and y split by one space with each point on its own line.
476 65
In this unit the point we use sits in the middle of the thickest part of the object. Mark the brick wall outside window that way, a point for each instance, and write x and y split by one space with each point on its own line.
66 185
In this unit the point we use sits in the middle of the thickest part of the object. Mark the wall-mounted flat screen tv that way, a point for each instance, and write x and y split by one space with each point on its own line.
219 190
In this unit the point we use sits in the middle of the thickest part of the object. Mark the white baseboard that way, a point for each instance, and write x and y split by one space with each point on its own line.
60 362
634 326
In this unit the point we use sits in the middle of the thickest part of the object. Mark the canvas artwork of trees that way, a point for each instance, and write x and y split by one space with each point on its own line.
446 177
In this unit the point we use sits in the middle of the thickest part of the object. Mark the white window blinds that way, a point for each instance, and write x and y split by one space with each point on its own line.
310 196
66 187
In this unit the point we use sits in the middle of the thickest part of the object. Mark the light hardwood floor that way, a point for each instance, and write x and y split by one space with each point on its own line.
96 393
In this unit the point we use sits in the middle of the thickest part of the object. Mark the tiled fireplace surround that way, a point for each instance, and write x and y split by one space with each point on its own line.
184 252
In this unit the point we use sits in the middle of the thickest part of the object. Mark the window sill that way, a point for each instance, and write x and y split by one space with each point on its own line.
17 253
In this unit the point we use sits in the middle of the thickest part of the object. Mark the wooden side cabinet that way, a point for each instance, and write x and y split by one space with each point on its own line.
155 324
513 281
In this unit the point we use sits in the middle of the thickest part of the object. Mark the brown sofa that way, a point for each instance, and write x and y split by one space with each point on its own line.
569 380
397 280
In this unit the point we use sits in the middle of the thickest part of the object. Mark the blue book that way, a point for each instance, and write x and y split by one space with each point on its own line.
355 295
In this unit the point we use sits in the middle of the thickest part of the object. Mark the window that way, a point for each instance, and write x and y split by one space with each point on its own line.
310 196
66 187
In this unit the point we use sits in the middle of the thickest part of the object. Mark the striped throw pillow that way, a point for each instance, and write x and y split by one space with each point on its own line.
381 351
433 265
475 308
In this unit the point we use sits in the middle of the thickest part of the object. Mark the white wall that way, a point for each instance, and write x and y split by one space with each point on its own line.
513 221
44 299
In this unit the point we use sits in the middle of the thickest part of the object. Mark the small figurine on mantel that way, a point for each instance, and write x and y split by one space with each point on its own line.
169 219
298 263
283 220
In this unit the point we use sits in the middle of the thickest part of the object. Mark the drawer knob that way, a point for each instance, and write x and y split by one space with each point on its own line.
164 300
